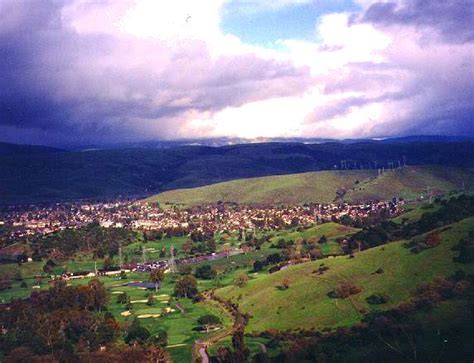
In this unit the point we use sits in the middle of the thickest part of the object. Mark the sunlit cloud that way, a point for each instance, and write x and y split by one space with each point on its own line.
105 71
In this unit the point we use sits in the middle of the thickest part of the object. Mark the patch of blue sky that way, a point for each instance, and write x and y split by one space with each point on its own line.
264 26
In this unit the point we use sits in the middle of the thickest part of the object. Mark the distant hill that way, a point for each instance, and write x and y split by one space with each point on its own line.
15 149
326 186
98 174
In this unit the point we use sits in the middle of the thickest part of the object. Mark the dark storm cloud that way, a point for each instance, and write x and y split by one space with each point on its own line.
57 81
452 19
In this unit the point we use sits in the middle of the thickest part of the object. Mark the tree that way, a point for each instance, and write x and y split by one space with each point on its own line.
241 280
186 287
48 266
98 294
345 220
122 298
160 339
241 352
285 284
187 246
150 300
205 272
157 276
323 239
107 263
136 332
163 253
258 266
209 321
315 253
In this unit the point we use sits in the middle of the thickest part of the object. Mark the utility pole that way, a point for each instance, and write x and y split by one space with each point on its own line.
430 194
120 257
172 262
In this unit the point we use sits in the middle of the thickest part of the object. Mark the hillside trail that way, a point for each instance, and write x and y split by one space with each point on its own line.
201 346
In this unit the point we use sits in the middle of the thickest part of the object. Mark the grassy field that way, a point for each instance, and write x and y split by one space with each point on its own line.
320 187
306 304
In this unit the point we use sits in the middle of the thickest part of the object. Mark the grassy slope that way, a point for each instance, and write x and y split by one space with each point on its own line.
411 182
330 230
291 189
408 182
306 305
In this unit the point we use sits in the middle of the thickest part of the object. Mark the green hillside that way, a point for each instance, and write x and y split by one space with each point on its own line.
306 305
321 187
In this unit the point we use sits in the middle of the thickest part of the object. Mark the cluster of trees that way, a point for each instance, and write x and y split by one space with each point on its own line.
344 290
273 259
92 238
71 323
205 272
191 247
422 243
466 249
208 322
239 352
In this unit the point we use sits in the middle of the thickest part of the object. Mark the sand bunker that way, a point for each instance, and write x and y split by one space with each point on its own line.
145 316
138 301
126 313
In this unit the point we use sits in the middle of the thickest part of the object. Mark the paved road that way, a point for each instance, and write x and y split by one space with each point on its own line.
203 354
263 347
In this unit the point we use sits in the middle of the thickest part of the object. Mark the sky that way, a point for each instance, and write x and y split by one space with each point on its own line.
106 71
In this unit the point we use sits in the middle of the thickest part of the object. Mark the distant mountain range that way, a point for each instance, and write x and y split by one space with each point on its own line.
34 174
15 149
227 141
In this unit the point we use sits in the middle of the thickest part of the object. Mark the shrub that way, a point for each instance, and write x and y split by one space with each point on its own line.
241 280
377 299
344 290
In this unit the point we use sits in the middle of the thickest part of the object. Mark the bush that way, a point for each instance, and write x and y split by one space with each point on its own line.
241 280
258 266
160 339
344 290
377 299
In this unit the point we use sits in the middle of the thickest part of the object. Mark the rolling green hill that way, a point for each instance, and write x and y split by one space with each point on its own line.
306 305
321 187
